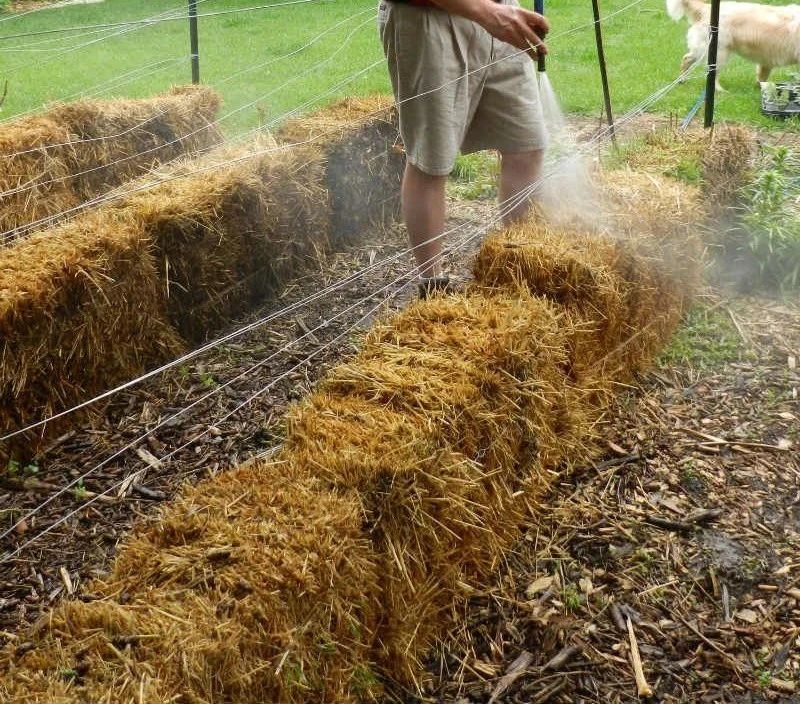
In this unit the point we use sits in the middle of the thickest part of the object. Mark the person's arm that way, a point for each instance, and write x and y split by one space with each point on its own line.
520 28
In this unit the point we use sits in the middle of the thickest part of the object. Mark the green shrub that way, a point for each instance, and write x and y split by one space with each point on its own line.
771 219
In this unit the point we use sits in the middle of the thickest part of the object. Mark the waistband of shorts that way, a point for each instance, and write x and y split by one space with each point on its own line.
420 3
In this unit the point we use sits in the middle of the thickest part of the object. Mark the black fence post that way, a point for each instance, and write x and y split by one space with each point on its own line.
538 6
711 79
601 56
195 50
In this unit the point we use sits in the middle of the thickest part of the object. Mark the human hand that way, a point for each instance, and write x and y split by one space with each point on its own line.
516 26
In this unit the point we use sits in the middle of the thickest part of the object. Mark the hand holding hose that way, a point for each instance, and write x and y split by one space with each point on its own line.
521 28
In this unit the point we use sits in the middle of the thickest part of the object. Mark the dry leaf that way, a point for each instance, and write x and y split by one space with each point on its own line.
539 586
747 615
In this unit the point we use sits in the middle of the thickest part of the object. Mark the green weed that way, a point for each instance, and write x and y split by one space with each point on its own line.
771 219
474 176
15 469
363 680
571 598
707 339
293 675
68 674
79 491
764 678
208 380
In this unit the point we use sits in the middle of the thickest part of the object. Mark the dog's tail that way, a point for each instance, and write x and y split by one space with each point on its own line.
694 9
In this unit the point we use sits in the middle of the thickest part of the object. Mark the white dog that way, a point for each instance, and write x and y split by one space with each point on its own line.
767 35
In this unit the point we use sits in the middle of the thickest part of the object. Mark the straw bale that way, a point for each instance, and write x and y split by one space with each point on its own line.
452 417
624 304
227 237
253 587
647 205
360 141
77 151
77 312
726 168
718 161
666 151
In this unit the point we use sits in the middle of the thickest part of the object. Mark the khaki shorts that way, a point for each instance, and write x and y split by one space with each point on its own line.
450 100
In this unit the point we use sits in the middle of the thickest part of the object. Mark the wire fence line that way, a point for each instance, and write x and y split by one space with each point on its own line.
83 45
214 123
9 234
151 21
199 351
506 207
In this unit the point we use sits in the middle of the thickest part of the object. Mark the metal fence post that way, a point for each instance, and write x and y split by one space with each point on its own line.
601 57
195 50
538 6
711 79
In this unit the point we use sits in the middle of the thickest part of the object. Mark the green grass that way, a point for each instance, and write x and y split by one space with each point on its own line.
706 340
643 45
474 176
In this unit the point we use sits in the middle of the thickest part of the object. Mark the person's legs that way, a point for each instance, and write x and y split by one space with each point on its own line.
424 213
518 172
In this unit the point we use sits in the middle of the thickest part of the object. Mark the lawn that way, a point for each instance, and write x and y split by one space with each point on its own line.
243 55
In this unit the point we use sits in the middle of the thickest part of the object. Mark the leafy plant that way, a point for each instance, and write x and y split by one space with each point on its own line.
208 380
774 95
363 680
79 491
571 598
68 674
15 469
771 219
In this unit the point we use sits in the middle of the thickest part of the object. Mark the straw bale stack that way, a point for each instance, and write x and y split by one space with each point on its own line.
360 142
77 151
401 485
208 238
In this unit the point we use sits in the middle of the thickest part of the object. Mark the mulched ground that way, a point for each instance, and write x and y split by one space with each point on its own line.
686 539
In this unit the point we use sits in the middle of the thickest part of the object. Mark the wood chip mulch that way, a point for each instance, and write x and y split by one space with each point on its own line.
682 547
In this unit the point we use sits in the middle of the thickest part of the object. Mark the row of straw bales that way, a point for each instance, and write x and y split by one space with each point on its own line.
52 162
401 486
97 300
